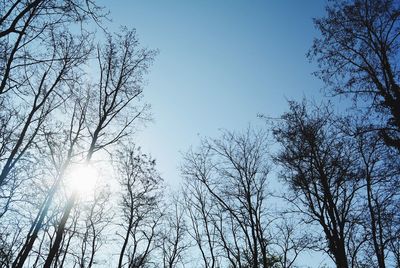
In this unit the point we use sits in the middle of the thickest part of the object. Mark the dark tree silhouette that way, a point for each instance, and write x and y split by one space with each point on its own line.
226 181
290 240
141 188
379 168
173 238
358 54
201 226
318 165
115 106
61 156
50 108
38 60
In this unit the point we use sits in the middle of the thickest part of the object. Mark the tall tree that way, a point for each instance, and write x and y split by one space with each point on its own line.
201 222
50 108
232 174
379 199
141 187
60 157
358 53
318 165
38 61
173 239
115 106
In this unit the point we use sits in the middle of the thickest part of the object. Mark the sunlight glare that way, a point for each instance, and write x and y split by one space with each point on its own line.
82 179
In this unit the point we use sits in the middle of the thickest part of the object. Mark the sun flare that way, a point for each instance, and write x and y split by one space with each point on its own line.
82 179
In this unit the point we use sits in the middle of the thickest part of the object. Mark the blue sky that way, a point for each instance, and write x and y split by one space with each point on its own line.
220 64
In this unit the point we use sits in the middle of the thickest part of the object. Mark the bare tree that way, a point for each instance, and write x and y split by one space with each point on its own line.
141 188
47 82
115 106
61 156
50 107
379 173
26 25
39 65
318 165
357 54
233 171
45 90
93 218
38 61
199 211
289 242
16 13
173 237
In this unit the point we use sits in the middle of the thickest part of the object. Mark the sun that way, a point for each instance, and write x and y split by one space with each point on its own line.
82 178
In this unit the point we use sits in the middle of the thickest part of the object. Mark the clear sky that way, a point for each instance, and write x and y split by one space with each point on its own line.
220 64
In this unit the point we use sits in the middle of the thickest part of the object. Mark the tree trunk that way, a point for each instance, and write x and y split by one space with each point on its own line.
60 231
36 226
378 248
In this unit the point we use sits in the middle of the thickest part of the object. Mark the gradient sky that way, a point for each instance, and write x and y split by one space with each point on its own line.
220 64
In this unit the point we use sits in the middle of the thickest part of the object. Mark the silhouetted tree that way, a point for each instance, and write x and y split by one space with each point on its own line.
319 167
201 223
358 54
38 61
53 115
61 155
96 217
290 240
173 238
115 104
379 168
227 180
141 187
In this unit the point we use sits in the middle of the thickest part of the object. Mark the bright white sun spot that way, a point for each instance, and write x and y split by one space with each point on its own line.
82 179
